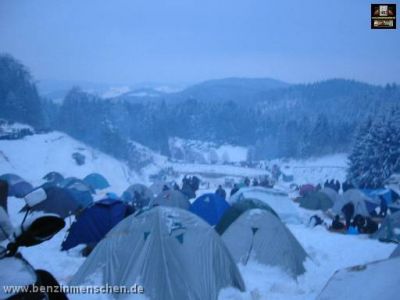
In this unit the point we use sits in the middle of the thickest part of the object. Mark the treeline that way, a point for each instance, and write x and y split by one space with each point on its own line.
376 152
19 98
295 121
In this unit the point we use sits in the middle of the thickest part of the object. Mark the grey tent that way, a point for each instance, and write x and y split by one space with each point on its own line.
396 252
158 187
354 196
259 234
389 230
172 198
171 252
331 193
377 280
316 201
138 194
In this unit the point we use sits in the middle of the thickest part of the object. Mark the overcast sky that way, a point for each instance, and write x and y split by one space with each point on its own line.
175 41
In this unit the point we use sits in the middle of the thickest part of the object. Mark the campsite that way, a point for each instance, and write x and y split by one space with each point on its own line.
199 150
264 236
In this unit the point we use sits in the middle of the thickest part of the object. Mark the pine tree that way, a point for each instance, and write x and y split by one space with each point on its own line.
376 151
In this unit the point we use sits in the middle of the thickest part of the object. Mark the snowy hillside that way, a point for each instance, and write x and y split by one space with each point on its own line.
34 156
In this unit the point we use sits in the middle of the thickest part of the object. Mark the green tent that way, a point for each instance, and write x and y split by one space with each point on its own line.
390 229
238 208
316 201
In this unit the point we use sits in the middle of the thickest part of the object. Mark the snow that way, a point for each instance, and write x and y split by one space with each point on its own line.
34 156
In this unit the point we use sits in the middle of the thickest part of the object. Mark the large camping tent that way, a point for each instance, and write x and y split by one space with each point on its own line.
390 229
259 234
277 200
94 223
138 194
376 280
96 181
171 198
316 201
357 198
171 252
210 207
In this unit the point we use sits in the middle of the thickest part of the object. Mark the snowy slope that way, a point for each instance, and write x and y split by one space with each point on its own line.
34 156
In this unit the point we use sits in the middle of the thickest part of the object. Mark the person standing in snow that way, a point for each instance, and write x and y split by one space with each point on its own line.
221 192
234 189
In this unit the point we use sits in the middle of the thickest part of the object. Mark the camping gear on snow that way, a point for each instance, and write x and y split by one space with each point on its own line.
316 201
94 223
352 196
171 252
96 181
59 201
210 207
17 187
365 225
138 194
396 252
259 234
277 200
390 229
306 188
171 198
376 280
53 177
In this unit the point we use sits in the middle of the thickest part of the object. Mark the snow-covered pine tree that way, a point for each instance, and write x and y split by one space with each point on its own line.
376 151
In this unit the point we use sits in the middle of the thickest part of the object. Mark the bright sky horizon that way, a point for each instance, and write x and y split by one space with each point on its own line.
181 41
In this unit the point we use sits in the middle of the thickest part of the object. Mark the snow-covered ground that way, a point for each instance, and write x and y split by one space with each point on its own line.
34 156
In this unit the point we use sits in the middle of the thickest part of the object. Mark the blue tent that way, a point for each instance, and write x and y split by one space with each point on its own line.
210 207
96 181
95 222
81 193
375 194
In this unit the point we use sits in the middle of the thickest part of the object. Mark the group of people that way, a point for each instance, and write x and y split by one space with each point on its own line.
262 181
336 185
